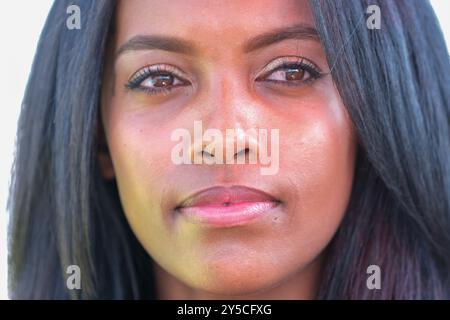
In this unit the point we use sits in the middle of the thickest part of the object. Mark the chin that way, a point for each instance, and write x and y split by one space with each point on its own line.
238 278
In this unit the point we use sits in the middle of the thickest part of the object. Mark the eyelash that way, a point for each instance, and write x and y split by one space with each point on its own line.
136 80
284 63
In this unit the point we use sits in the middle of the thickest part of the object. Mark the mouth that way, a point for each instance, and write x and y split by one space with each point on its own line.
226 206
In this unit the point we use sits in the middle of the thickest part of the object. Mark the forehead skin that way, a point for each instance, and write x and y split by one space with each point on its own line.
209 23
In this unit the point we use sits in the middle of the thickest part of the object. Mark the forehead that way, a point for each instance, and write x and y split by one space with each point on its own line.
208 21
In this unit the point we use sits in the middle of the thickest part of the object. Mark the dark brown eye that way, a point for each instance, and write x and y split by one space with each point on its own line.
156 79
294 74
289 74
160 80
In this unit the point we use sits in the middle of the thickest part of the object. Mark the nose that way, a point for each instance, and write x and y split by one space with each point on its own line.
235 146
229 115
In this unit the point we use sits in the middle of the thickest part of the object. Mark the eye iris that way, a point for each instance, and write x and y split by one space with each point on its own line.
294 74
162 80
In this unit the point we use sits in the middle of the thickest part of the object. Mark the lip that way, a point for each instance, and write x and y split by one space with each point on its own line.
226 206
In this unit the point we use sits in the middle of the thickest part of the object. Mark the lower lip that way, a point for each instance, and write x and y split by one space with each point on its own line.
221 216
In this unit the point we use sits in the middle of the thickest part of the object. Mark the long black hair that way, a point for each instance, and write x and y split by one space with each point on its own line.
395 82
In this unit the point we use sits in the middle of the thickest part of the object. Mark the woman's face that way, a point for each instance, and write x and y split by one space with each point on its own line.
227 228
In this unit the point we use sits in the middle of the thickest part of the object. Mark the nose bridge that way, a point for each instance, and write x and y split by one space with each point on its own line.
229 130
226 102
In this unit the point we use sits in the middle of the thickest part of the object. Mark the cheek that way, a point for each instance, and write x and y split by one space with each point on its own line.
319 153
140 152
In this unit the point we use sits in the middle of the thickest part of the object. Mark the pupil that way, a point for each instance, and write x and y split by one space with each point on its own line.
162 80
294 74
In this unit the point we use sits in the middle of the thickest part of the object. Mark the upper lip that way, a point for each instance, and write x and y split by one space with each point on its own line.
226 196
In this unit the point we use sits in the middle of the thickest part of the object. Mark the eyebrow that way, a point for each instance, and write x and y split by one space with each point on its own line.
177 45
155 42
300 31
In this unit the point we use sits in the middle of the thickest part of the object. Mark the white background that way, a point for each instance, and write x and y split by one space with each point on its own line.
21 22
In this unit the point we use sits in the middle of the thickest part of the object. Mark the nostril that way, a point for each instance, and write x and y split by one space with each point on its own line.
207 154
243 152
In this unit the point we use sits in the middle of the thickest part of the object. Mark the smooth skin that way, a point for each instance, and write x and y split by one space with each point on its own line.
279 255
